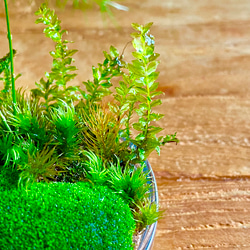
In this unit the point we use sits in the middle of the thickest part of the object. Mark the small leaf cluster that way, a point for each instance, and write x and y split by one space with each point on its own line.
5 69
6 79
95 169
65 131
55 87
100 86
100 130
40 166
146 214
131 184
65 216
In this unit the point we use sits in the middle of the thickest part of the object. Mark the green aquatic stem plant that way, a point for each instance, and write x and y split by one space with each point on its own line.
103 75
11 56
137 96
55 86
144 75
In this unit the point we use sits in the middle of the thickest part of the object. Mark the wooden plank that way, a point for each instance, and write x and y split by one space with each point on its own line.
204 214
213 133
203 182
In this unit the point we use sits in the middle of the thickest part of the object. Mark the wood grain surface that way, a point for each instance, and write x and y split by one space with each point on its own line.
204 181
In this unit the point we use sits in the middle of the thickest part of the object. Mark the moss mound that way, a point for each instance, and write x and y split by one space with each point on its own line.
64 216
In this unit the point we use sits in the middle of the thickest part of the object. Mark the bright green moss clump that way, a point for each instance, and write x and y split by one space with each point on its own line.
65 216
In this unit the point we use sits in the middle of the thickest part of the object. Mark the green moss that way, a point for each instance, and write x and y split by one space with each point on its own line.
64 216
8 178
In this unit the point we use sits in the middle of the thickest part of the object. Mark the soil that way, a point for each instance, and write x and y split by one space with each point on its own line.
204 181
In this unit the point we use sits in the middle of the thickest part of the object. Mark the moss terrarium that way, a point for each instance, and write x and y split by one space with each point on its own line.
73 158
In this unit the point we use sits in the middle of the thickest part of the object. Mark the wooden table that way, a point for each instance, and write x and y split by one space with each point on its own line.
204 181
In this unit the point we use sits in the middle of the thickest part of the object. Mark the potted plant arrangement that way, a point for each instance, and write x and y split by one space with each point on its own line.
73 159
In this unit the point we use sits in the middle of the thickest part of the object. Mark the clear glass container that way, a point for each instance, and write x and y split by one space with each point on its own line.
147 238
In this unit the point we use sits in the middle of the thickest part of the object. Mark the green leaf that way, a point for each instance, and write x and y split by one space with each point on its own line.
95 72
37 92
123 86
140 137
125 107
107 56
136 26
67 60
142 154
152 77
119 91
158 150
69 77
137 55
157 93
150 50
139 83
153 57
154 130
152 87
152 67
139 64
155 103
114 52
155 117
147 26
143 121
141 90
137 126
106 84
135 35
143 106
70 68
137 44
138 71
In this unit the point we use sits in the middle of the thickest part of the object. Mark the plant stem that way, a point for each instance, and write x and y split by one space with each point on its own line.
11 58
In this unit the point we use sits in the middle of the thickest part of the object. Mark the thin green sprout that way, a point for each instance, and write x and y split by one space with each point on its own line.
11 57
